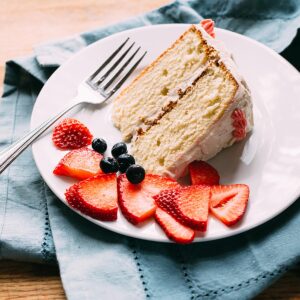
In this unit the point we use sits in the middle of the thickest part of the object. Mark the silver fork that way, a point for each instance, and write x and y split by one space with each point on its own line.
93 90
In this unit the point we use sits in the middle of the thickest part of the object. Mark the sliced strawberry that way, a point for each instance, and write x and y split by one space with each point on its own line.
209 26
135 200
203 173
228 202
80 163
71 134
70 195
239 124
95 196
72 198
173 229
188 205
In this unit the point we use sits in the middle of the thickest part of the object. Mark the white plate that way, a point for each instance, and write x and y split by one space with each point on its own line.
268 161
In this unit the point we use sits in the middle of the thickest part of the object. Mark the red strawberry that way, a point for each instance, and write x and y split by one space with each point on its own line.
135 200
73 199
188 205
95 196
81 164
71 194
209 26
239 124
71 134
228 202
174 230
203 173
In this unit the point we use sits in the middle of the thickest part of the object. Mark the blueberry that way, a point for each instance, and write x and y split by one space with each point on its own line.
125 160
118 149
109 165
135 174
99 145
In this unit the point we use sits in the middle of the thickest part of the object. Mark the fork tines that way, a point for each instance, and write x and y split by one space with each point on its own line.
117 70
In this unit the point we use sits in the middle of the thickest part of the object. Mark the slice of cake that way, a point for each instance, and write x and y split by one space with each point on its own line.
187 105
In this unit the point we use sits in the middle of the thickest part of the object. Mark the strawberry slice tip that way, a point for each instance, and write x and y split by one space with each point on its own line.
173 229
228 202
203 173
135 200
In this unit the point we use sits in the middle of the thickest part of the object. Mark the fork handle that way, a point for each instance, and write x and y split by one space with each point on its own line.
8 155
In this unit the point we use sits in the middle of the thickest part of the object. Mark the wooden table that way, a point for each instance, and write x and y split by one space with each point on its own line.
27 23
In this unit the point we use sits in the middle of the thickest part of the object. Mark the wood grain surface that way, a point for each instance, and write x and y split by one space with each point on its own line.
27 23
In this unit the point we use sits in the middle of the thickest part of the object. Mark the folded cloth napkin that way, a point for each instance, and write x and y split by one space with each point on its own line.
96 263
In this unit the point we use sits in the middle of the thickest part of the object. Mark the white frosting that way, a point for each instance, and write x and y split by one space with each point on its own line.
221 134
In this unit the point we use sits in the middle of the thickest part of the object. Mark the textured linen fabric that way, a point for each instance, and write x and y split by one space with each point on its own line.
99 264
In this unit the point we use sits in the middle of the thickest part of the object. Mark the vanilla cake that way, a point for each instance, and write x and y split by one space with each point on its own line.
187 105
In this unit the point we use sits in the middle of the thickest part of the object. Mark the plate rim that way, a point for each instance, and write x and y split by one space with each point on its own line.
234 232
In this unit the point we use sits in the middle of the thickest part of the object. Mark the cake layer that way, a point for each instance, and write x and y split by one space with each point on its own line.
143 101
189 104
169 145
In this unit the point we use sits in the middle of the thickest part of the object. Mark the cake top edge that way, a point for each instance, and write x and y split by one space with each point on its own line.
226 57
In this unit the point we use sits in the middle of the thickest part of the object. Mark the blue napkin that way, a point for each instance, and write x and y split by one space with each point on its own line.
95 263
